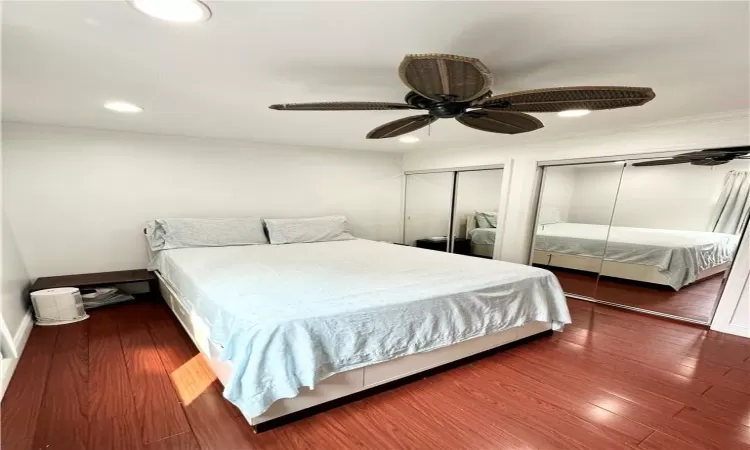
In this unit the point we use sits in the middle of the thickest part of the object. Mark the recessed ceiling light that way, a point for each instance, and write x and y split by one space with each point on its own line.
573 113
408 139
123 107
184 11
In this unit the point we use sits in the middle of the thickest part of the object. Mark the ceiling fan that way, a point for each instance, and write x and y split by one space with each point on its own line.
450 86
712 157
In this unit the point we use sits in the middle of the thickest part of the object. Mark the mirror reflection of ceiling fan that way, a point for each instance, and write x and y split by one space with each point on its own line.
712 157
450 86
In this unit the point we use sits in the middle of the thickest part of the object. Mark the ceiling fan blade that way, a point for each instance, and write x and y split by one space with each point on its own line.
445 77
500 121
717 152
340 106
743 150
401 126
710 162
660 162
565 98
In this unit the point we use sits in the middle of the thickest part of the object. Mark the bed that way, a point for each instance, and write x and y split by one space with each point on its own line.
668 257
288 328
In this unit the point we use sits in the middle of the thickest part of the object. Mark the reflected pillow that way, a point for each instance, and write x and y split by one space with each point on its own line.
548 216
164 234
313 229
486 219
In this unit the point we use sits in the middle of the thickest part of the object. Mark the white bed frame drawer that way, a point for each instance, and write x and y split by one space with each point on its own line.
194 325
333 387
419 362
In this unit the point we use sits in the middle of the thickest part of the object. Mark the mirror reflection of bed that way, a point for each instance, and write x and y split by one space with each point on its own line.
481 229
659 238
470 197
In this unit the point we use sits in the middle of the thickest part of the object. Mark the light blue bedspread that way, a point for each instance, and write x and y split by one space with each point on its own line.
679 255
289 316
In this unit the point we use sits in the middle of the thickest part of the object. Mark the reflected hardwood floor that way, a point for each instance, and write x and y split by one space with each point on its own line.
695 301
129 378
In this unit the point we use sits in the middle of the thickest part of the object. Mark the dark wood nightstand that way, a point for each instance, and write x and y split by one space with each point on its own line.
461 246
91 280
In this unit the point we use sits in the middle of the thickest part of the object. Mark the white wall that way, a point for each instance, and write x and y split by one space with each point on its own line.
478 190
680 197
595 191
77 199
557 192
428 205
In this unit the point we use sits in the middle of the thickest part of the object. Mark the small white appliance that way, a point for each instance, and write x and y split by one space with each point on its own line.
58 306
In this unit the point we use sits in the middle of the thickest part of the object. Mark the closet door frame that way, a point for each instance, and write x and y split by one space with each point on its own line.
454 192
624 158
538 208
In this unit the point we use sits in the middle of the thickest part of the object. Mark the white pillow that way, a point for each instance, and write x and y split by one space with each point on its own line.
313 229
164 234
549 215
486 219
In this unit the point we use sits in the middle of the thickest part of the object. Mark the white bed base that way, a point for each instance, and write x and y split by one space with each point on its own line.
628 271
344 383
486 250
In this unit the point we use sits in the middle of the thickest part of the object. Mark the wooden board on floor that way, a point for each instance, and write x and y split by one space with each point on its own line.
694 301
156 401
615 379
62 422
23 398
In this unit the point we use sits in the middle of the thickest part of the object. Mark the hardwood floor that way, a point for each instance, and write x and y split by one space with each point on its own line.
695 301
129 378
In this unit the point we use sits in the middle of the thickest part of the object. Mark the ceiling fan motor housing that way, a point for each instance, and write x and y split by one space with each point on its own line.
445 109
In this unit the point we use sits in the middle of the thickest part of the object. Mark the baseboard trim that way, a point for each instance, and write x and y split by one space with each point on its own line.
19 343
23 333
734 329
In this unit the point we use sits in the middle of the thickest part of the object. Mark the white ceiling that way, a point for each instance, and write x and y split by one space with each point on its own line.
63 60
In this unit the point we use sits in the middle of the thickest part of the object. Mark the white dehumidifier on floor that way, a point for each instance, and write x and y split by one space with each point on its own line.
58 306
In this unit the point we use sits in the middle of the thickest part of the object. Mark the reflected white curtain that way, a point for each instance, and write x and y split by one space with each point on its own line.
732 207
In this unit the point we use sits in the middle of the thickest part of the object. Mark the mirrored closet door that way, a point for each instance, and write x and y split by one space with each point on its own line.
454 211
675 231
476 207
573 219
429 197
656 238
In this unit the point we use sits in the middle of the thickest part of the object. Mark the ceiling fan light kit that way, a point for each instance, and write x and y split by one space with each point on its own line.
180 11
123 107
459 87
574 113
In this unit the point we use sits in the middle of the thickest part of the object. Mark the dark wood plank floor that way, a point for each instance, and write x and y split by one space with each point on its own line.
129 378
695 301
